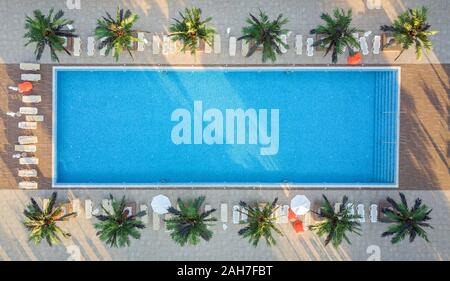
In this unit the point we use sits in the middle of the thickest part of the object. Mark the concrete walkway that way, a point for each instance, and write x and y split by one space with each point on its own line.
225 244
156 15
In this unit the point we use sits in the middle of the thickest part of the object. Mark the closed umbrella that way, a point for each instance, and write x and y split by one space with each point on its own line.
25 87
160 204
300 205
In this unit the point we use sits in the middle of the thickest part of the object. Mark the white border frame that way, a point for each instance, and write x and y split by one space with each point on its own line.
225 184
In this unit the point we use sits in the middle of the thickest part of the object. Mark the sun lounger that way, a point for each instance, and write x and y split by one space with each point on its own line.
373 213
34 118
376 45
29 161
309 47
224 212
144 208
236 214
217 44
76 206
25 148
351 209
28 185
166 45
232 46
356 36
76 46
156 221
307 220
244 215
28 110
361 213
27 125
102 51
284 214
283 38
299 44
30 77
30 66
364 46
88 208
27 173
141 41
277 213
90 46
166 217
244 48
27 139
208 48
107 205
31 99
155 45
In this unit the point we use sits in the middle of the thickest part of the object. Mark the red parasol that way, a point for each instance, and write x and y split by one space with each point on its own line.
298 226
25 87
355 59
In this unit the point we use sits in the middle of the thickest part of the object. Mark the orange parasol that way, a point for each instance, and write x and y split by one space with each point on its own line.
355 59
298 226
25 87
291 215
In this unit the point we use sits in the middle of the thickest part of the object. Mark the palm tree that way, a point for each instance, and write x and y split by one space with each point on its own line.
189 224
336 224
406 221
116 227
264 32
48 31
336 34
117 34
411 28
42 222
191 29
260 223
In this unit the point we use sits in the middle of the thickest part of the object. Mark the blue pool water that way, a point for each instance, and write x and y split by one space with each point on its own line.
309 127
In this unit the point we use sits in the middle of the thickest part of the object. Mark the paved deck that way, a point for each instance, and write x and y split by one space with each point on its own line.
225 244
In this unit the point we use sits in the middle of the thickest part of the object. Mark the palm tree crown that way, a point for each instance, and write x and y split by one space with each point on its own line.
336 34
191 29
117 34
336 224
189 223
116 227
260 223
42 222
411 28
48 31
264 32
406 221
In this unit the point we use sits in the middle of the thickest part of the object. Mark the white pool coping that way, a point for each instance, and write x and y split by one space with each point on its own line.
225 184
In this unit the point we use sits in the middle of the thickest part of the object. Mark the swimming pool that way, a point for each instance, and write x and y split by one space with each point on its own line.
307 127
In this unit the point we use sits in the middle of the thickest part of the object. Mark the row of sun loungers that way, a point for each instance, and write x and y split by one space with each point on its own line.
360 211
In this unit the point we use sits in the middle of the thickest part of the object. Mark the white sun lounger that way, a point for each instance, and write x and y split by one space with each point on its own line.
28 110
90 46
373 213
299 44
155 45
30 77
277 213
28 185
351 209
107 205
244 215
217 44
27 125
88 208
76 46
156 221
236 214
166 45
361 213
167 217
284 214
307 220
364 46
232 46
76 206
244 48
27 173
283 38
224 212
31 99
173 46
376 45
144 208
208 48
141 41
309 47
337 207
27 139
356 36
102 51
30 66
29 161
34 118
25 148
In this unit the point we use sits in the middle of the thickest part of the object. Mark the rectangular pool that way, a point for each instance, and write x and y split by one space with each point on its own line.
306 127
